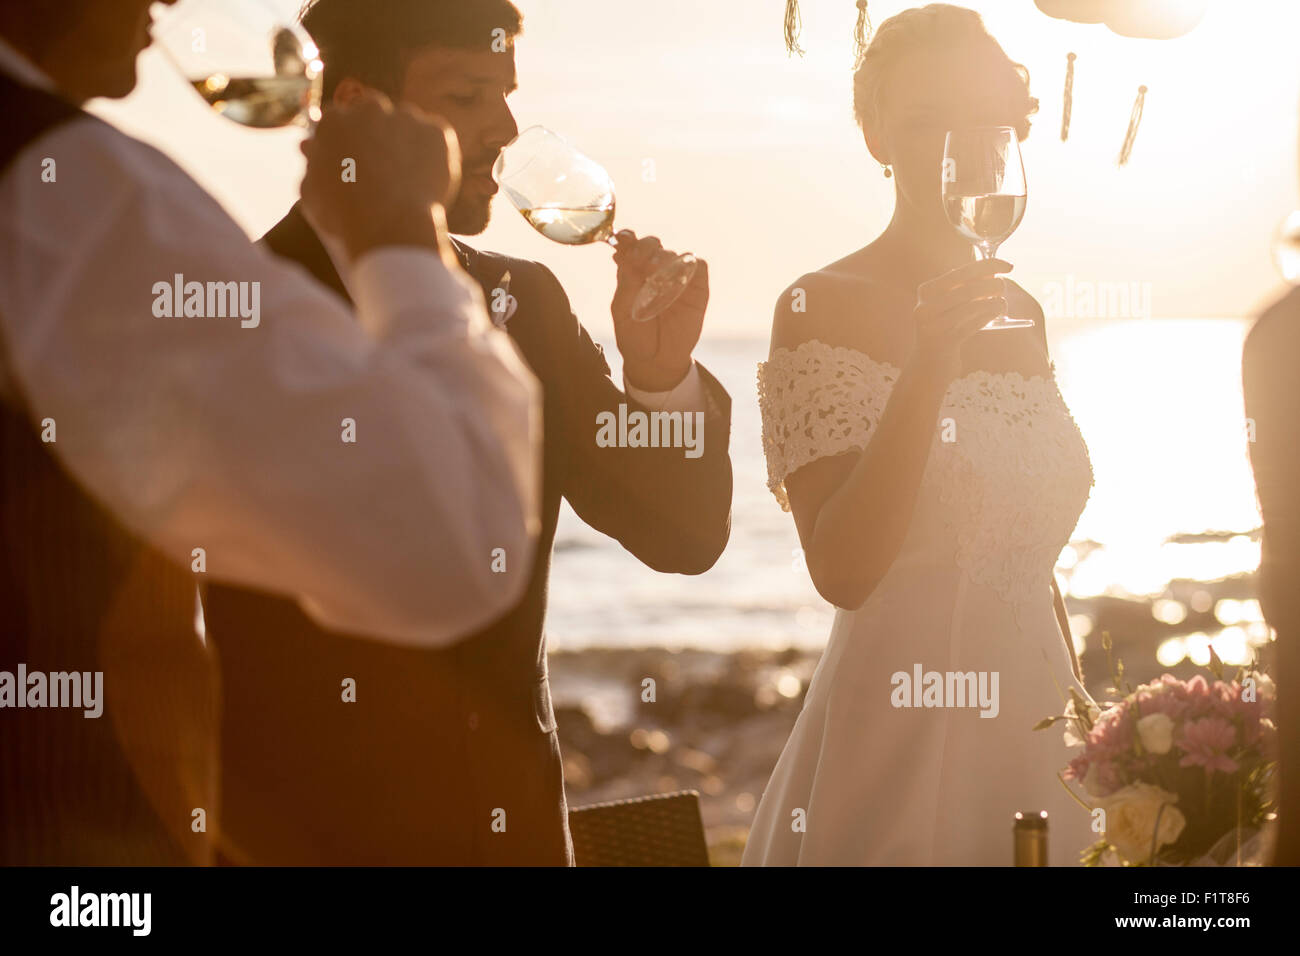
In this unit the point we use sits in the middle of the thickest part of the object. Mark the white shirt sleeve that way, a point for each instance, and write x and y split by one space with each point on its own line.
686 396
370 465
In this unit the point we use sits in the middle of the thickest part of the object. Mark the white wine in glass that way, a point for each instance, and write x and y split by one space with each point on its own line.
569 198
248 62
984 192
573 227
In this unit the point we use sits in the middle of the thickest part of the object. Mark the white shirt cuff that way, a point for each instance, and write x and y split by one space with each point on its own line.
687 396
394 282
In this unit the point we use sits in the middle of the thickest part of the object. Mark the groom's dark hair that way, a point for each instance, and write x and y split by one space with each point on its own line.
373 40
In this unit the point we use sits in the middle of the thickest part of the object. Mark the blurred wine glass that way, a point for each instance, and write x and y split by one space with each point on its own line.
569 198
984 192
249 63
1286 248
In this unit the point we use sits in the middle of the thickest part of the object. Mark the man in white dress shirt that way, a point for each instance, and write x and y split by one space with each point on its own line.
369 465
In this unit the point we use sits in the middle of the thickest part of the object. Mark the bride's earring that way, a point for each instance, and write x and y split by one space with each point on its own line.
888 172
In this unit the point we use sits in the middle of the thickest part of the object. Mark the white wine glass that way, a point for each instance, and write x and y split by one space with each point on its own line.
984 192
569 198
249 63
1286 248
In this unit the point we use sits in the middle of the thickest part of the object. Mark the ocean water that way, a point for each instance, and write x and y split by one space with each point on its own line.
1159 404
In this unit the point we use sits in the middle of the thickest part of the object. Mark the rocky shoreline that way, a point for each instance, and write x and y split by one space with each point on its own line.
716 724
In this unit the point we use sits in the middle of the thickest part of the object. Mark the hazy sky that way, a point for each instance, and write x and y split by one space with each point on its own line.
760 168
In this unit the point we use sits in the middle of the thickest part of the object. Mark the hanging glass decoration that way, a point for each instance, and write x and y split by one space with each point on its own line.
1142 19
1068 98
1134 119
862 29
794 26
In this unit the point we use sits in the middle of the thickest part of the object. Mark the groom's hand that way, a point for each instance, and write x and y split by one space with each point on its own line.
656 354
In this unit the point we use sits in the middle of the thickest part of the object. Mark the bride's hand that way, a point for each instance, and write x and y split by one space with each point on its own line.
953 307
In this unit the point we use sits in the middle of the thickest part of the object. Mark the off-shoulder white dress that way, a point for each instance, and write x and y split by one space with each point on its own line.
862 781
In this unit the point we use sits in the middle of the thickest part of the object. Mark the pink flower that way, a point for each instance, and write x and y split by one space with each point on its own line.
1225 698
1098 774
1112 734
1159 699
1077 768
1205 743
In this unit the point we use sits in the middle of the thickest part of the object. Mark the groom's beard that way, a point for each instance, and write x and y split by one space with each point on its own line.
469 215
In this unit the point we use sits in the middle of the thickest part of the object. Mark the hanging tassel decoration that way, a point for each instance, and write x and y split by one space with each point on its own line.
862 32
1127 149
1069 97
793 25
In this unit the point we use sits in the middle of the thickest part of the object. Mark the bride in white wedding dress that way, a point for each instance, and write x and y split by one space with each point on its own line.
934 473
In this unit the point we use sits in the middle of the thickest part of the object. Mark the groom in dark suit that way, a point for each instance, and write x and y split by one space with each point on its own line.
341 750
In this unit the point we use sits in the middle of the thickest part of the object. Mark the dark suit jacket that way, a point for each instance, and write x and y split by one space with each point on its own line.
443 748
1272 392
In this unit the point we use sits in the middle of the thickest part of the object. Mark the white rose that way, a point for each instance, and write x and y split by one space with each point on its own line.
1264 687
1156 731
1131 820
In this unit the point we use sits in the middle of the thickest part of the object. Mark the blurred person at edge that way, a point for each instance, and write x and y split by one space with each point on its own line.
128 442
1272 396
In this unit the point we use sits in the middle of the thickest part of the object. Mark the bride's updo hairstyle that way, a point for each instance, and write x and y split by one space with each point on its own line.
943 29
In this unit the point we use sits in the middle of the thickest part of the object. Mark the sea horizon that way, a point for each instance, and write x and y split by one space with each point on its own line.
1171 522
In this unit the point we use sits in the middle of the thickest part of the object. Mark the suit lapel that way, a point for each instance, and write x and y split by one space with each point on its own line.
294 238
476 265
493 278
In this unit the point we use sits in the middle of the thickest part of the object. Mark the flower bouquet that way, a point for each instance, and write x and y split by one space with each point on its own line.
1177 772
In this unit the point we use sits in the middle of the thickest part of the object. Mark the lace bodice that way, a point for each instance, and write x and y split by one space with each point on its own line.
1008 472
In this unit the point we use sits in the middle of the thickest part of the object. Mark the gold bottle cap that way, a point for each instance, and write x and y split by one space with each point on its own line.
1028 820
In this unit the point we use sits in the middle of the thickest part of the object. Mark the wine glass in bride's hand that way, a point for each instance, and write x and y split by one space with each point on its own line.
984 192
569 198
248 62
